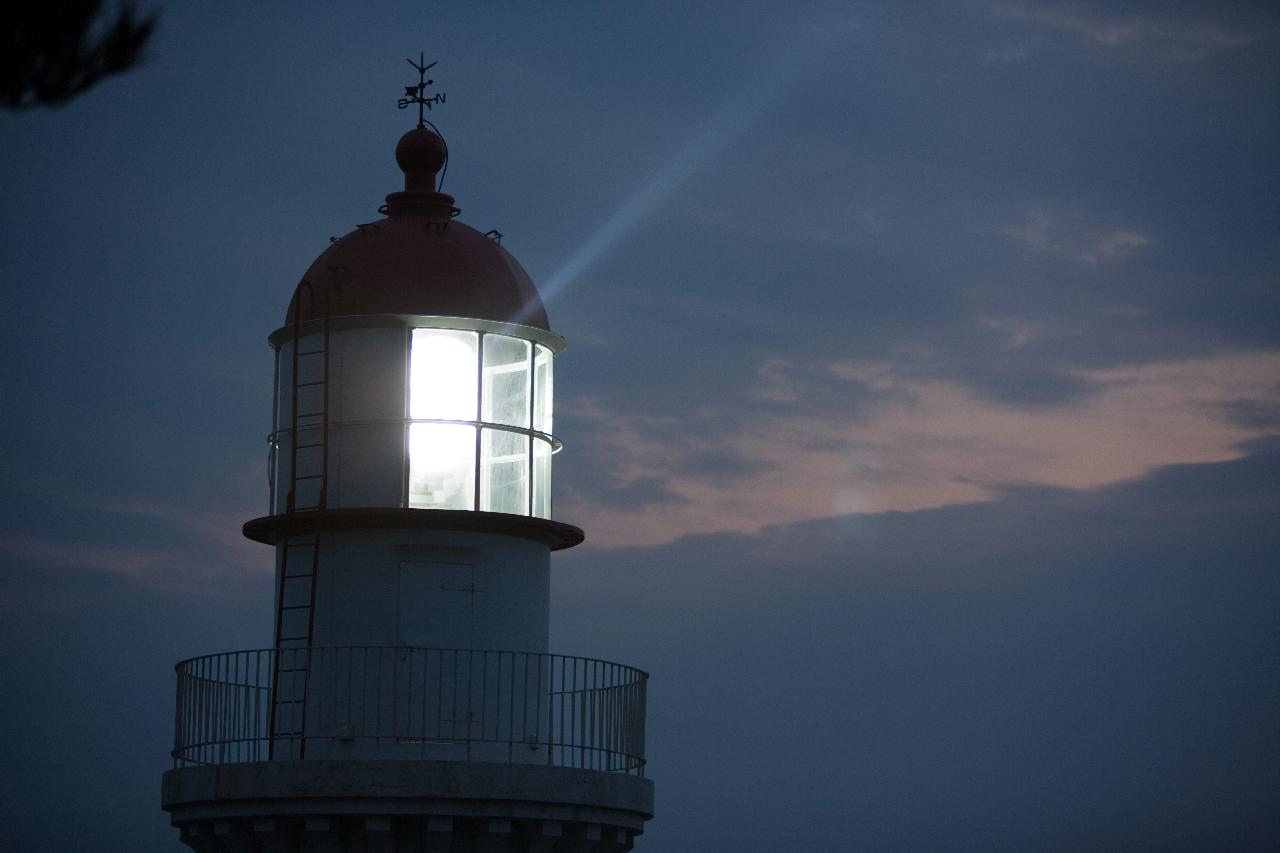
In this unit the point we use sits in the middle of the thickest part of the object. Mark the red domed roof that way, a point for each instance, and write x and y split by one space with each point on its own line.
418 260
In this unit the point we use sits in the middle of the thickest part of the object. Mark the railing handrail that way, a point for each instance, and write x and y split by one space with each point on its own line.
262 650
367 701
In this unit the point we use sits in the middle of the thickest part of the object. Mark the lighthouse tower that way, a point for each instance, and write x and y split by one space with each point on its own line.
410 700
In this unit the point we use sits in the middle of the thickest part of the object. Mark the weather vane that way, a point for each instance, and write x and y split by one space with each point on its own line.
417 94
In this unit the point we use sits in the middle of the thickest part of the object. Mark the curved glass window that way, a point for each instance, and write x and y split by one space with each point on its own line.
542 389
479 431
504 396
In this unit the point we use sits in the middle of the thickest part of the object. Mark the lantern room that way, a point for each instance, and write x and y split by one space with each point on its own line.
423 412
414 369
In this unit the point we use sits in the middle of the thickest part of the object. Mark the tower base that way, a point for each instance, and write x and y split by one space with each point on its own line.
388 806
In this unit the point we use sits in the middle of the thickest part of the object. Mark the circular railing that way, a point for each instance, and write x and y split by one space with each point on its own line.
366 702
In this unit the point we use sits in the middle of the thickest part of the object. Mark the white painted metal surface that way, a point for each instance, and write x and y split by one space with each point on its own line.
432 588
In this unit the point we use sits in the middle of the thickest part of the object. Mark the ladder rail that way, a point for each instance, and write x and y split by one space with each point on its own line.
322 502
298 724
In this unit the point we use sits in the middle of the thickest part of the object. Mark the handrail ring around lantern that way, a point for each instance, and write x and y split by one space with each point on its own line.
274 438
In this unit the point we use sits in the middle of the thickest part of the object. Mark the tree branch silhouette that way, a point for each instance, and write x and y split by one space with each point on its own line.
51 52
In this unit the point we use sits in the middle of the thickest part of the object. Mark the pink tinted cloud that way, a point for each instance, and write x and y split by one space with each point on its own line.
933 443
204 551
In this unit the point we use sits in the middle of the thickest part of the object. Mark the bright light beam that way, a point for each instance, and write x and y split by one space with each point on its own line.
765 88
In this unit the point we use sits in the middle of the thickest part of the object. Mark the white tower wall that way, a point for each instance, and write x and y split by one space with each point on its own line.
431 589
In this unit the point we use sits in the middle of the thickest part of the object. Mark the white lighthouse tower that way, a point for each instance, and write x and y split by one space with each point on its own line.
410 701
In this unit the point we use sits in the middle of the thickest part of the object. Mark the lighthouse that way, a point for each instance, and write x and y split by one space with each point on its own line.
409 699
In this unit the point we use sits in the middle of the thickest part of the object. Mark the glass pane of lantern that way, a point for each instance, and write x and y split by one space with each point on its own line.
504 471
541 478
505 399
442 375
442 466
542 390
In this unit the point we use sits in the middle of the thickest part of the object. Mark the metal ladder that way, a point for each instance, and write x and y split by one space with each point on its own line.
300 540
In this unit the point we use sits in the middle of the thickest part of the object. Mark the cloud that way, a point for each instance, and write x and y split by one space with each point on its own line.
192 567
1251 414
1041 231
192 547
1050 669
634 494
785 385
923 442
93 556
1155 31
216 526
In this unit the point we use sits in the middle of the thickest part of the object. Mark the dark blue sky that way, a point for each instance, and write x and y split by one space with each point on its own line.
921 401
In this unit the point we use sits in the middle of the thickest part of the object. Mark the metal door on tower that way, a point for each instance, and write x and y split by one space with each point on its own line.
434 681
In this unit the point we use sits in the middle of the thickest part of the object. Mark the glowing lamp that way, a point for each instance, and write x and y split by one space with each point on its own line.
479 429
